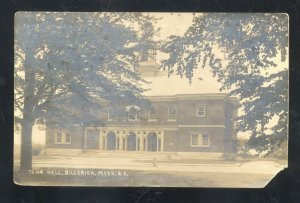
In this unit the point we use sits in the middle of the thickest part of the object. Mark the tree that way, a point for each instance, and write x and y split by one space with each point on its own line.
247 53
67 64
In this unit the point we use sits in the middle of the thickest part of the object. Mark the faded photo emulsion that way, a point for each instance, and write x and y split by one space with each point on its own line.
150 99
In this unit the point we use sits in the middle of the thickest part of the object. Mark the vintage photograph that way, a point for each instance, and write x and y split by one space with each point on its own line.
131 99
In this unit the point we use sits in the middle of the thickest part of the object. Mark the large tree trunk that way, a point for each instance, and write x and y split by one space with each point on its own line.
28 120
26 146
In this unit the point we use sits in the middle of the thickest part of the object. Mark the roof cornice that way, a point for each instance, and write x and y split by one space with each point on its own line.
187 96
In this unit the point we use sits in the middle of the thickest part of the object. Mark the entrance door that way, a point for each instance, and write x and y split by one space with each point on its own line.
131 142
152 142
92 139
111 141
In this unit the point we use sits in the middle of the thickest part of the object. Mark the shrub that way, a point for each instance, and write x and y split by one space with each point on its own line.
229 156
37 149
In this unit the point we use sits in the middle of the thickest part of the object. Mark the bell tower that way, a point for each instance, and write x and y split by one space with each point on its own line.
148 66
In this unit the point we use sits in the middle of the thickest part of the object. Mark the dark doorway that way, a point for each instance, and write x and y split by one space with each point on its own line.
111 141
152 142
131 142
92 139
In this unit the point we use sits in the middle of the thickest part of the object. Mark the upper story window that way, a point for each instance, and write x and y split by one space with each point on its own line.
172 113
152 114
200 140
133 113
111 115
200 110
62 137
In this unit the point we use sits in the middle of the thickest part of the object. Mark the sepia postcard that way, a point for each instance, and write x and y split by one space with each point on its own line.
150 99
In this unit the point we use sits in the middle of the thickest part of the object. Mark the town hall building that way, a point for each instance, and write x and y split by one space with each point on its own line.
185 122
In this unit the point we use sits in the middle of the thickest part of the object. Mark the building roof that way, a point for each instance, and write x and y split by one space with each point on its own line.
187 96
201 96
161 84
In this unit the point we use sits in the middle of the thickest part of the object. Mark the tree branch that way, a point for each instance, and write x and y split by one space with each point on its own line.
18 120
18 106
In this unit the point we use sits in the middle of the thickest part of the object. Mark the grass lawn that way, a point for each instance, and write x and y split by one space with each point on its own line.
140 172
134 178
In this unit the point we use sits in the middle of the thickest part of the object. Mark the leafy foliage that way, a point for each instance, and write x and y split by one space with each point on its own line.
248 54
76 60
69 64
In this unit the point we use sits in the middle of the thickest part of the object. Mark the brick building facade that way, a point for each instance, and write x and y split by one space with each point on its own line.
179 123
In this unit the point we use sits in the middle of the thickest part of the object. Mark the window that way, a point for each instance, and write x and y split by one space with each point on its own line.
111 115
171 141
149 55
68 137
62 137
133 114
172 113
58 137
152 55
205 140
200 112
152 114
200 140
195 140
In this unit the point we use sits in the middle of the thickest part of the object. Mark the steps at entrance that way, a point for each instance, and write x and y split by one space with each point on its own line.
130 154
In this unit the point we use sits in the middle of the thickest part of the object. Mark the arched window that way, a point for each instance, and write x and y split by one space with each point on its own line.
131 142
152 142
111 141
133 113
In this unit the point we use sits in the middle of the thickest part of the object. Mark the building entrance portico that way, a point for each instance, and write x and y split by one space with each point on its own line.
127 139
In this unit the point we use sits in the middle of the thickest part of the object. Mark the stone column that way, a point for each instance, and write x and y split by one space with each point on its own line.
105 142
162 137
141 143
125 143
116 145
120 143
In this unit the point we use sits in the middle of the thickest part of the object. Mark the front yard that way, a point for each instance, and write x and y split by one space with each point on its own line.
128 171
